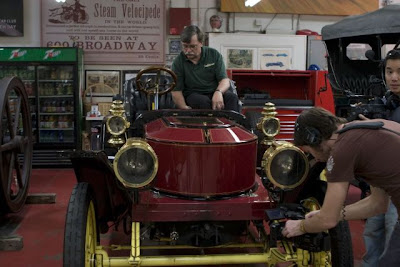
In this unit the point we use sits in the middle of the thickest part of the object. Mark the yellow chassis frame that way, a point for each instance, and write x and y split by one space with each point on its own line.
270 256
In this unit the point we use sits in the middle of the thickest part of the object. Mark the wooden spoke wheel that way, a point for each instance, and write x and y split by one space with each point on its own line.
16 145
81 235
154 85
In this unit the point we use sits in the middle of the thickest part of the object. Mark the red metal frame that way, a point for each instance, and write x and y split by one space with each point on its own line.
154 207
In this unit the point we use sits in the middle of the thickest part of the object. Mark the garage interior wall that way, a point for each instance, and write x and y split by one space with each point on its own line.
200 13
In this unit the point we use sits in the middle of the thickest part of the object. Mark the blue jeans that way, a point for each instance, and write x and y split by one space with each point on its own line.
377 232
391 255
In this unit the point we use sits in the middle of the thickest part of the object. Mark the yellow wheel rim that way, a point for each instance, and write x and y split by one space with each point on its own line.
91 236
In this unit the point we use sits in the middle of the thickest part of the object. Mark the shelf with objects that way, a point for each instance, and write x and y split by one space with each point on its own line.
53 80
100 87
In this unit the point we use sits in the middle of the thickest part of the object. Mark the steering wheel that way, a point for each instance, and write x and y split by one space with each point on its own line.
153 86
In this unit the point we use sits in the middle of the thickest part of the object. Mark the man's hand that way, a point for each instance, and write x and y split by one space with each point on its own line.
362 117
292 228
217 101
179 100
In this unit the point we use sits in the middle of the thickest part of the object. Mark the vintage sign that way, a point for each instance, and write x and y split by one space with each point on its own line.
11 18
109 31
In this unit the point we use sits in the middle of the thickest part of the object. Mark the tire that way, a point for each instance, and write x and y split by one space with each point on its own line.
81 231
341 245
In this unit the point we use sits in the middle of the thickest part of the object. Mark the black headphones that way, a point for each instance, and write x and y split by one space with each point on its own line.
312 136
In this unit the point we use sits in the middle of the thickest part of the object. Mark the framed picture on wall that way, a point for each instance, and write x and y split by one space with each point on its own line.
278 51
102 82
240 58
174 45
128 75
275 58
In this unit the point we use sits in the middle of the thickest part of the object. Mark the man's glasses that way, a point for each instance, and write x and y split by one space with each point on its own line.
189 46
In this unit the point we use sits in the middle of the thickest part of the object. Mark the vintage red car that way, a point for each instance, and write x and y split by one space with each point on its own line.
189 180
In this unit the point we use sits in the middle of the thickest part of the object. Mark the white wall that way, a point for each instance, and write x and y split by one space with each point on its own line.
201 10
246 22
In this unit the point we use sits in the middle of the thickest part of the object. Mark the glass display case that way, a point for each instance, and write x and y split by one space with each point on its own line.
53 80
56 104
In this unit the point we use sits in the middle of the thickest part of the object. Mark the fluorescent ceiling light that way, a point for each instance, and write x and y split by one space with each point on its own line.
251 3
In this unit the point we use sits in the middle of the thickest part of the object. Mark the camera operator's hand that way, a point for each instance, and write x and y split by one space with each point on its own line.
362 117
292 228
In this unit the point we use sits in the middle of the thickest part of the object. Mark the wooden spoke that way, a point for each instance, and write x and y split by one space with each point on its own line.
16 145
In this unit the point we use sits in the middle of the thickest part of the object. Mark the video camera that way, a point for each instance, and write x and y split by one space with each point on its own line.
277 219
371 104
374 109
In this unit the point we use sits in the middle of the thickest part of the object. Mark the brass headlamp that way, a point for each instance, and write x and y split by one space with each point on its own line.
285 165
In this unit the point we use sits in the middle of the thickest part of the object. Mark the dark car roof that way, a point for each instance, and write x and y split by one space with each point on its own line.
383 20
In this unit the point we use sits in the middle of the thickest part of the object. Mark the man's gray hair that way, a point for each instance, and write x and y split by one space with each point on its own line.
189 31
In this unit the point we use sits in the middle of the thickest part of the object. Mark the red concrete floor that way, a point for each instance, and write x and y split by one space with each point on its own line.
42 225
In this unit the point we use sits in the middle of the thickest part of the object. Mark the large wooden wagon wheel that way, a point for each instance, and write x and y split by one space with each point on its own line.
16 145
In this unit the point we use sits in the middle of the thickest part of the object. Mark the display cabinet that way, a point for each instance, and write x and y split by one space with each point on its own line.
53 80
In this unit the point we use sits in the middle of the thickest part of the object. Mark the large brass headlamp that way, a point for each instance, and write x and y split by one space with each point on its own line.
136 163
285 165
117 123
269 124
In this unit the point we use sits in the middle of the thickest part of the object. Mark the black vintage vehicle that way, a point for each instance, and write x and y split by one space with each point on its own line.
187 182
356 46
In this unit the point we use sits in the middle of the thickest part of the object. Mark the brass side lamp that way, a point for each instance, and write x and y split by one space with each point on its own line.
269 124
117 123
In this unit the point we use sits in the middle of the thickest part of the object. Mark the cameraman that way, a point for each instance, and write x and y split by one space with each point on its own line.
378 229
365 149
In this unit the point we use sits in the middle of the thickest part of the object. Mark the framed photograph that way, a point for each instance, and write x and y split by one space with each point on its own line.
174 45
102 82
275 58
128 75
240 58
280 52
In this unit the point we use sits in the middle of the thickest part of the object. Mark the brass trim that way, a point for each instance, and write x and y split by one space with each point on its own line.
265 132
126 125
276 148
136 143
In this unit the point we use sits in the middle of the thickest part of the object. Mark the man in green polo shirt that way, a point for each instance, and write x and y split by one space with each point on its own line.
202 80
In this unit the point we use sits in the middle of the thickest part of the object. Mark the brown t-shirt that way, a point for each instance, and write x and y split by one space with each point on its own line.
373 155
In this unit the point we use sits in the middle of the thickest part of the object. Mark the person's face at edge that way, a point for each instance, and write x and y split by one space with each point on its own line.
392 75
192 50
